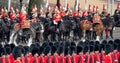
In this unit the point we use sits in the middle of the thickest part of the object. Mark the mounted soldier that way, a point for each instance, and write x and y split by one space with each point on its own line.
57 19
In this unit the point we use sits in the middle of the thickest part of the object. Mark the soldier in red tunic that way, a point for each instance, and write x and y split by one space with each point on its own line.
3 55
57 19
47 57
41 54
86 54
17 54
108 51
80 58
91 59
97 54
9 56
67 55
115 53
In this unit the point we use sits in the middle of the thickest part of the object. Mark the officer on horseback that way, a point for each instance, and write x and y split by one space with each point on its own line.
57 19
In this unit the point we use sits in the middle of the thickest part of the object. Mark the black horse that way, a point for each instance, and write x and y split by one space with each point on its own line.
109 25
5 29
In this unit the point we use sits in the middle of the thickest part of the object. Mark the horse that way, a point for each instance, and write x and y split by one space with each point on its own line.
23 31
109 25
49 30
5 29
65 29
96 26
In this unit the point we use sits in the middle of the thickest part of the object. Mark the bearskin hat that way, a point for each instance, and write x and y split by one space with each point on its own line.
12 46
73 49
8 50
108 49
53 50
35 50
17 52
97 47
91 48
79 49
66 51
27 49
60 50
86 49
47 50
50 43
41 49
2 51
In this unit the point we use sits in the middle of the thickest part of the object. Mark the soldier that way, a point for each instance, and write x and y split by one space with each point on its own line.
9 56
67 55
57 19
62 14
73 51
115 53
47 52
86 54
85 15
17 54
41 54
91 59
3 55
97 54
80 58
108 51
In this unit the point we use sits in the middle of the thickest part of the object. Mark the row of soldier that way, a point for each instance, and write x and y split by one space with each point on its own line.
62 52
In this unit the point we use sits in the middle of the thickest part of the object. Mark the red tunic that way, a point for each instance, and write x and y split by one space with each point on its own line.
108 58
57 18
3 60
47 59
16 61
91 59
30 58
76 14
97 58
80 58
41 59
23 59
62 13
115 57
61 59
68 59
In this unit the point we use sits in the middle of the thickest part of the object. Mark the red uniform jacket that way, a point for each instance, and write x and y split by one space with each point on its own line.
3 60
62 13
10 58
91 59
80 58
97 58
23 59
30 59
102 58
48 59
37 60
86 58
68 59
76 14
108 58
16 61
115 57
57 17
41 59
61 59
